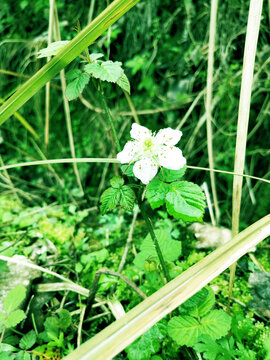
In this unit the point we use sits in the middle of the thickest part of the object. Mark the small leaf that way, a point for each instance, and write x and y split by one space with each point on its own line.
204 306
14 298
185 201
52 49
73 74
127 198
184 330
127 169
156 192
216 324
64 318
95 56
146 345
22 355
172 175
117 182
193 301
123 82
209 347
109 199
28 340
75 88
7 347
14 318
106 71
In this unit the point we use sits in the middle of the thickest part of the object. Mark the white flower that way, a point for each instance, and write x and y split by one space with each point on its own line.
150 151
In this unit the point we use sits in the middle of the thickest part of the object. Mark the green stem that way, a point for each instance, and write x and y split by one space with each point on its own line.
109 116
155 241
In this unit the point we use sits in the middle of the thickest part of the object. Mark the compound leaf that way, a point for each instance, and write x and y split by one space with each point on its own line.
109 199
106 71
156 193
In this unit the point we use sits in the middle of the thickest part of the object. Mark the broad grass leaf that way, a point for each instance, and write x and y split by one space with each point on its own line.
14 318
109 199
184 330
123 82
28 340
216 324
14 298
156 192
127 198
149 343
106 71
185 201
75 87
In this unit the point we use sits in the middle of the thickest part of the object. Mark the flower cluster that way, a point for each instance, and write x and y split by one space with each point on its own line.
150 151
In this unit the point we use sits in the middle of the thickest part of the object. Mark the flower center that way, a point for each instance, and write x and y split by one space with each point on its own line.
148 143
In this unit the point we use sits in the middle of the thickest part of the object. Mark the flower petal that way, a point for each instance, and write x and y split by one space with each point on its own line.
168 136
139 132
128 153
171 157
145 170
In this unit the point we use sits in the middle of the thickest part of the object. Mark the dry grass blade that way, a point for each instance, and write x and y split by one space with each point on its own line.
210 70
253 26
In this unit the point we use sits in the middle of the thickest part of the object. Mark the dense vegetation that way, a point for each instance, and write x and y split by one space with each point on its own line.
48 217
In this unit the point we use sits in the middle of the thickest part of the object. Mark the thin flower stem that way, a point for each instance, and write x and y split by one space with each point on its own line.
155 241
109 116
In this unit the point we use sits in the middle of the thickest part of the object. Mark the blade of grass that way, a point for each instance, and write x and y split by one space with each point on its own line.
210 70
65 101
253 26
124 331
86 37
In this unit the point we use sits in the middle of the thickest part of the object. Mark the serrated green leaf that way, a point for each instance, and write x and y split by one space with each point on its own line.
204 306
22 355
75 87
216 324
2 317
127 198
14 318
117 182
193 302
28 340
73 74
184 330
4 355
7 347
52 49
106 71
14 298
171 249
64 318
109 199
156 192
172 175
146 345
123 82
185 201
95 56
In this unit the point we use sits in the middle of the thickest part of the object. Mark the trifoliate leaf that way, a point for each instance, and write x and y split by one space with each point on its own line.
156 192
146 345
185 201
14 298
127 198
109 199
106 71
184 330
172 175
14 318
95 56
216 324
64 318
75 87
73 74
117 182
193 301
123 82
52 49
28 340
